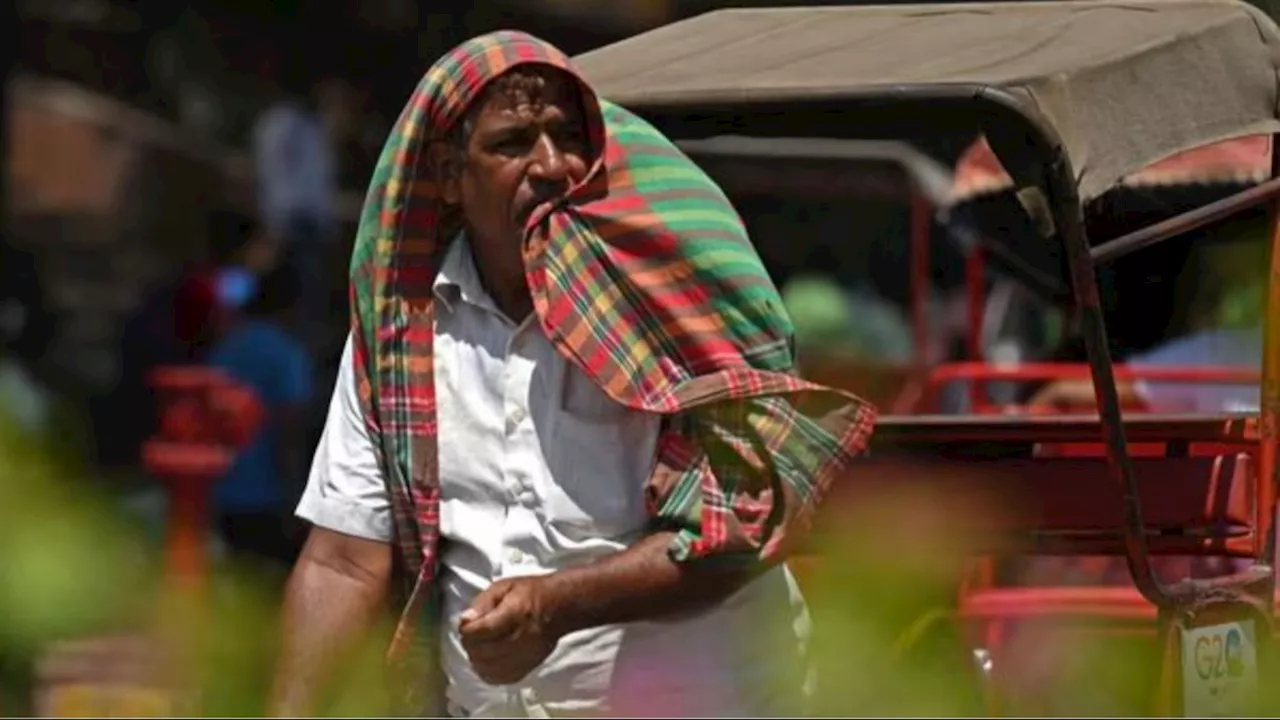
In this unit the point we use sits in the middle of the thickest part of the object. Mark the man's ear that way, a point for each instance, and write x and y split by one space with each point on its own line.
445 163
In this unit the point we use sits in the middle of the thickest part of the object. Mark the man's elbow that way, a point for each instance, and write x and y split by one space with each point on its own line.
365 561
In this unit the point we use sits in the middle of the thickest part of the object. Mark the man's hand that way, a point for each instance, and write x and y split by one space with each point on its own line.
1077 394
513 626
509 630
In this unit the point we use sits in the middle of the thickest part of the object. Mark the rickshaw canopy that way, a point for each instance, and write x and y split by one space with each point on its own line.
1120 84
1240 161
820 167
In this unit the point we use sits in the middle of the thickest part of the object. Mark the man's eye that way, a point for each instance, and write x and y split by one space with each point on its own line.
574 139
511 146
572 134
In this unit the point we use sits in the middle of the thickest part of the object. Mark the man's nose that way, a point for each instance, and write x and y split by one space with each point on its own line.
549 162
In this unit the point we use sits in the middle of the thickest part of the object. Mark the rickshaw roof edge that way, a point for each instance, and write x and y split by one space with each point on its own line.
926 176
1122 83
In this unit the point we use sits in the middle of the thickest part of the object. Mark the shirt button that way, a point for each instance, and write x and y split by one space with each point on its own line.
516 556
516 416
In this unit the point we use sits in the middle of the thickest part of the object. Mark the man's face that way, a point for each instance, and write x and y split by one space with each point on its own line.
527 144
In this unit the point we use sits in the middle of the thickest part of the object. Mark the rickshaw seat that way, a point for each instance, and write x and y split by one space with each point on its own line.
1118 603
1071 505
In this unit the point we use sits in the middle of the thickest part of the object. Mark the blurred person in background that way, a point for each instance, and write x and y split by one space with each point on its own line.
173 324
251 254
552 430
834 321
1218 322
1225 282
26 328
294 159
1221 296
258 348
176 323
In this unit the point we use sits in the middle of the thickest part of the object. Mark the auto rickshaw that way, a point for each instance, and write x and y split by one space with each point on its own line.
1072 97
1026 586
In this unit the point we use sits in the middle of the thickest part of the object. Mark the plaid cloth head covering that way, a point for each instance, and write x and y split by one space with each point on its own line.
644 278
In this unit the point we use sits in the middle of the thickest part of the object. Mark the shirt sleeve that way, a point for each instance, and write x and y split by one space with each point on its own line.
346 491
740 479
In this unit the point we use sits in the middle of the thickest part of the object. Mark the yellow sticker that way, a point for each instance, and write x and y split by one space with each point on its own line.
82 700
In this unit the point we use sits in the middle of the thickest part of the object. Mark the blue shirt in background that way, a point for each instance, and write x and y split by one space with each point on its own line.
1215 348
263 355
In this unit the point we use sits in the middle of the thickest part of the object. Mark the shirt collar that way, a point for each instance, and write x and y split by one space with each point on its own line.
458 280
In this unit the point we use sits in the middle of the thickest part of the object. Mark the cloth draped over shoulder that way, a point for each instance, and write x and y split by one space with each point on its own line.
644 278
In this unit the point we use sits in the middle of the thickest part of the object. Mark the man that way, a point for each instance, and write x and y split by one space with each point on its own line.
247 253
260 350
1222 293
297 175
567 400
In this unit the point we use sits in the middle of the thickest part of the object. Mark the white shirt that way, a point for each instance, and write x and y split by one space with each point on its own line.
541 470
295 166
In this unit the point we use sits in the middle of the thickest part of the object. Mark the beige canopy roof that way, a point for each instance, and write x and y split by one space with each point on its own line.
820 167
1123 83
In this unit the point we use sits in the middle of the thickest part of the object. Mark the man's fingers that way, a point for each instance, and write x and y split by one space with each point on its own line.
495 624
497 662
487 653
503 669
485 602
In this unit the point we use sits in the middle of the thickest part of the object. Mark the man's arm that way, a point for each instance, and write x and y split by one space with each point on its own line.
343 573
640 583
514 625
336 589
1079 393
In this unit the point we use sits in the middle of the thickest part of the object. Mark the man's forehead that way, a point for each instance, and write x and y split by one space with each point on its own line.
532 84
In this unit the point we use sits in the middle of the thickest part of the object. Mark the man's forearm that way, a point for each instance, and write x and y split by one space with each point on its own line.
329 605
640 583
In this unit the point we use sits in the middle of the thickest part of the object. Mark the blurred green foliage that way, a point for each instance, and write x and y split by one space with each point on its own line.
75 566
886 638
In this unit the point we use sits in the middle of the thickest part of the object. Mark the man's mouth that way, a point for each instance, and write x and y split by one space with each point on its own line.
529 208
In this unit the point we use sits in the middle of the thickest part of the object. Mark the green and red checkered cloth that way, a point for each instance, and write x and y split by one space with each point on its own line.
644 278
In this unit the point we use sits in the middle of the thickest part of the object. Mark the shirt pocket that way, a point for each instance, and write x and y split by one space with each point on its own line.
600 456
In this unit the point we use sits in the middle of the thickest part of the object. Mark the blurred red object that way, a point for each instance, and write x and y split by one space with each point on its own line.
196 312
237 415
201 404
180 422
205 419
